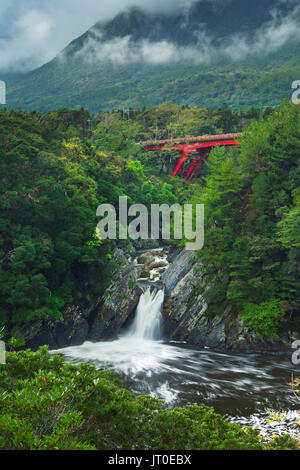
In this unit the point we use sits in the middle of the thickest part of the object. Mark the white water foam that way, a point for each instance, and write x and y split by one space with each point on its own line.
241 388
147 323
139 349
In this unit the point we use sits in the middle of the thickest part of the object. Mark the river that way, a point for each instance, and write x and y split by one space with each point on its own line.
240 388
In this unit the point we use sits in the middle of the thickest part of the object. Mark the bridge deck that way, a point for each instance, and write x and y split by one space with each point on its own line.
188 140
188 145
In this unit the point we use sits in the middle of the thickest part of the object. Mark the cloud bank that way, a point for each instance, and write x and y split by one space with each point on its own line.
123 50
269 38
32 32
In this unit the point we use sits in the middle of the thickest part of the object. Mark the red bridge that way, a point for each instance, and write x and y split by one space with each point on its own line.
190 145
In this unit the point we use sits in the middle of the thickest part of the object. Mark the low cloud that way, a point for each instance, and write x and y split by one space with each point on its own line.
22 51
121 50
32 32
269 38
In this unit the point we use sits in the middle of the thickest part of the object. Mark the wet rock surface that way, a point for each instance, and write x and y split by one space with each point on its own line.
72 330
146 258
152 264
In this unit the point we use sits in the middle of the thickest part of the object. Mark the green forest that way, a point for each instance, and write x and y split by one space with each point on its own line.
56 172
56 169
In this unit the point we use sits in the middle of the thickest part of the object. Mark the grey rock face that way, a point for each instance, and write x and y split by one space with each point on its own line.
102 321
145 244
119 303
146 258
182 263
188 318
71 331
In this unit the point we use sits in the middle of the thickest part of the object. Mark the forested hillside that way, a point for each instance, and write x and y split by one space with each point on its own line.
244 54
253 226
57 172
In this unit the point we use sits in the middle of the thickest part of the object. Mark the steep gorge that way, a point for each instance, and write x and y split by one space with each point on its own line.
186 315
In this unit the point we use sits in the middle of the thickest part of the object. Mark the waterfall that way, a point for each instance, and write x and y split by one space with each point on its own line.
139 348
147 323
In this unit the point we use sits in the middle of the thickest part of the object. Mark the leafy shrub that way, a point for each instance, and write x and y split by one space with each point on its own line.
264 318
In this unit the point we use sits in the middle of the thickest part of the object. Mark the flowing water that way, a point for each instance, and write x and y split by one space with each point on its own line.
147 323
240 388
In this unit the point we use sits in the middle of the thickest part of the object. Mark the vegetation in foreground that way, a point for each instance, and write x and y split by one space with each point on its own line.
49 404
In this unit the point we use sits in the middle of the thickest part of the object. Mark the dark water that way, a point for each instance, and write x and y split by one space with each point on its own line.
240 388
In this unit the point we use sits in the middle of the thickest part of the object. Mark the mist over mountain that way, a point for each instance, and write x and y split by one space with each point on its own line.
204 52
217 20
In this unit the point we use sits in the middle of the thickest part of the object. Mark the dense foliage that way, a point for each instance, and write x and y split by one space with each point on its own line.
48 404
252 223
48 202
60 166
55 173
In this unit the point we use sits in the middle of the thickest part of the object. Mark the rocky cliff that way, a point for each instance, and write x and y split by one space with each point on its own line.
102 320
188 317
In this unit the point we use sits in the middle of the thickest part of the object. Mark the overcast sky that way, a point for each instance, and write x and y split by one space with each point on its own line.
32 32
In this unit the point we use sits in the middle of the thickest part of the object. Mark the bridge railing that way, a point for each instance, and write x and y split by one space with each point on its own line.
187 140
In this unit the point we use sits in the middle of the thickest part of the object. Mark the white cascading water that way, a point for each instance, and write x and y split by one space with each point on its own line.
138 349
147 323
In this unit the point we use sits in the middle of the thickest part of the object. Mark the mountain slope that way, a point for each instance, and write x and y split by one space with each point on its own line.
244 53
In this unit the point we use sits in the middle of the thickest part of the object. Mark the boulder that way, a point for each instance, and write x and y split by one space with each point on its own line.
145 274
146 258
158 264
71 330
149 244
